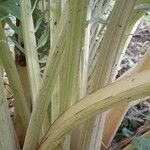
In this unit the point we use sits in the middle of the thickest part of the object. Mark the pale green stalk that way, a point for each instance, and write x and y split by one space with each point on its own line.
55 12
133 23
53 109
83 134
8 139
106 61
63 4
30 48
96 29
76 142
129 32
109 133
55 101
44 4
112 40
51 72
108 138
40 6
74 42
125 90
15 83
98 32
85 56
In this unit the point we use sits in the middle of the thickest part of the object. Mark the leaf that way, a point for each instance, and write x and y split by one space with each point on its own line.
133 118
3 13
38 23
4 17
14 27
143 7
138 119
14 1
141 143
126 132
43 39
17 44
43 60
10 7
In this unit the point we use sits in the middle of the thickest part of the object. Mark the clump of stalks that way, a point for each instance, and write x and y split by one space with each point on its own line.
66 96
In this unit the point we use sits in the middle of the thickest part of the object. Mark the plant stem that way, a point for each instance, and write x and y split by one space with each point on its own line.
116 114
109 54
8 139
125 90
15 83
50 74
30 47
75 34
112 116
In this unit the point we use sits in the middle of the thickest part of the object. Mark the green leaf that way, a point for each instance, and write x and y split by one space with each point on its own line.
10 7
14 27
126 132
141 143
3 15
143 7
43 60
38 23
43 39
17 44
14 1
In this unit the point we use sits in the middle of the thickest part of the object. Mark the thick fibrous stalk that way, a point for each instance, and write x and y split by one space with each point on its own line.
74 41
76 24
30 47
76 141
8 140
55 12
109 52
10 68
125 90
116 114
114 118
43 100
